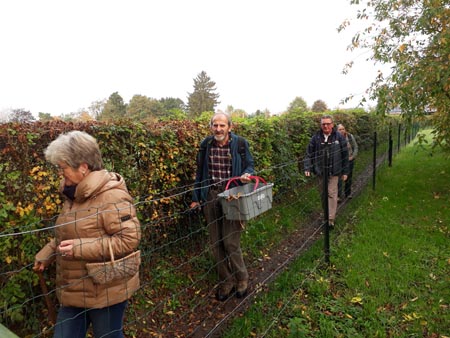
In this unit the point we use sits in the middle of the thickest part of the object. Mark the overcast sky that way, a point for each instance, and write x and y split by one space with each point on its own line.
59 56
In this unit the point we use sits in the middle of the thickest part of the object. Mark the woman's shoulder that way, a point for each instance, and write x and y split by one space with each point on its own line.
109 187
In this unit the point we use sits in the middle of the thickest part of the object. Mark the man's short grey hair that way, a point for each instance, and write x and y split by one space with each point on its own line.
221 113
75 148
325 117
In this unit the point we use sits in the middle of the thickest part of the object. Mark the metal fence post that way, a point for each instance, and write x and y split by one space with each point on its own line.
390 145
374 159
326 213
406 136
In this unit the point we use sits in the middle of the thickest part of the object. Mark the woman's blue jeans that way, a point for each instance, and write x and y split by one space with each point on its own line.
73 322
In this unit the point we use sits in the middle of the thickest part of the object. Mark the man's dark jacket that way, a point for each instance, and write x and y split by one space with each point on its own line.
241 163
337 154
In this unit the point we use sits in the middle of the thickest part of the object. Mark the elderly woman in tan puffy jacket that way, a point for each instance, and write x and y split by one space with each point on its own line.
97 224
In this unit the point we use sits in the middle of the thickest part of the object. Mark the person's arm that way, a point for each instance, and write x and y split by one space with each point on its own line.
249 163
354 146
344 157
196 193
45 256
307 162
118 219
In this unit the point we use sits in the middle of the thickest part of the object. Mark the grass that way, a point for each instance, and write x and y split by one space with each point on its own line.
266 232
390 264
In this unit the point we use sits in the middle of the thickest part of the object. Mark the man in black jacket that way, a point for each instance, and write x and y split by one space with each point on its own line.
327 144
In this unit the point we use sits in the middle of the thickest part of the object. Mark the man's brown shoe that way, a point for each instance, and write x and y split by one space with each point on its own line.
225 291
241 289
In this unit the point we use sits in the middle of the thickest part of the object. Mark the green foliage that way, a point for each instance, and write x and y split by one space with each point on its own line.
413 38
205 118
45 117
142 107
319 106
113 109
174 114
262 131
171 104
298 105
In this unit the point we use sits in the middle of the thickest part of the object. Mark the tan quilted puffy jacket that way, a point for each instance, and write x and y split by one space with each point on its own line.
102 211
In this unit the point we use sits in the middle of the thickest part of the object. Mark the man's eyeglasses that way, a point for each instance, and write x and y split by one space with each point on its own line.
327 124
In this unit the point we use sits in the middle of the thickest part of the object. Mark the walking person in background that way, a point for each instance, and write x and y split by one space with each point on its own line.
327 140
221 156
97 221
346 191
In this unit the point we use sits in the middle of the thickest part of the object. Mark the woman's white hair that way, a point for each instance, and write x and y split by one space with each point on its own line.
75 148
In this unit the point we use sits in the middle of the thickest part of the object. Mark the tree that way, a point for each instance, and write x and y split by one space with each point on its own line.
171 104
83 115
142 107
235 112
204 97
239 113
319 106
69 117
45 117
413 38
172 109
298 105
260 113
96 108
114 108
21 116
229 110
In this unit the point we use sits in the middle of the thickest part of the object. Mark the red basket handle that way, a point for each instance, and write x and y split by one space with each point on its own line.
256 178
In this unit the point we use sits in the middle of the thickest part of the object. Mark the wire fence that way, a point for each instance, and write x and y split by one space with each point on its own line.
176 297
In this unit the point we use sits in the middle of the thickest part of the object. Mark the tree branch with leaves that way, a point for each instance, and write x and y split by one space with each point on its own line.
413 38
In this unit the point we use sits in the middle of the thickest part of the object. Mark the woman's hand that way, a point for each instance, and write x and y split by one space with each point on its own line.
194 205
39 266
65 248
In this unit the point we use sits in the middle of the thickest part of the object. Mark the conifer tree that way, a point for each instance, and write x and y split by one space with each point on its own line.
204 98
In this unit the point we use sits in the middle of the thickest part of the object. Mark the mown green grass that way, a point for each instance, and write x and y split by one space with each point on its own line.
390 264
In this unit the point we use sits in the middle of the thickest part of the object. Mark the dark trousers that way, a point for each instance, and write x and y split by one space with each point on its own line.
225 241
346 188
74 322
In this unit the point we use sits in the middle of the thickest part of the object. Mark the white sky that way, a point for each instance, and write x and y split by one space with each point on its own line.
58 56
